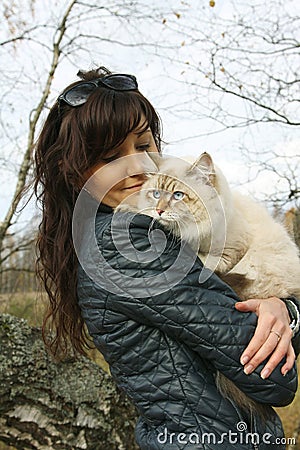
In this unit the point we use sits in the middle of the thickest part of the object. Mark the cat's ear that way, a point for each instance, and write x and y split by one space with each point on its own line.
205 164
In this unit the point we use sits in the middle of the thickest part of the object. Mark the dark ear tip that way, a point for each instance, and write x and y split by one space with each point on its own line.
206 155
204 161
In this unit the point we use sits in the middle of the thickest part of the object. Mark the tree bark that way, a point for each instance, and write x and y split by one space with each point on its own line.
46 405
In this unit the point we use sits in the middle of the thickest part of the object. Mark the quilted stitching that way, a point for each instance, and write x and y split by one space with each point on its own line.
164 349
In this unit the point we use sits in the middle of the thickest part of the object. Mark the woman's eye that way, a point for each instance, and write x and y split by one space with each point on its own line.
178 195
143 147
156 194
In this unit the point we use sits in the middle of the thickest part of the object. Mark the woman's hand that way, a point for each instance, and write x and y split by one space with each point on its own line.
272 336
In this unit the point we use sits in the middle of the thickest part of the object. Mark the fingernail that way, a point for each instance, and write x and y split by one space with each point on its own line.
285 372
248 369
265 373
244 359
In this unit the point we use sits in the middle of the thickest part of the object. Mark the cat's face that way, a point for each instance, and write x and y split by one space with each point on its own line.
166 199
183 196
176 204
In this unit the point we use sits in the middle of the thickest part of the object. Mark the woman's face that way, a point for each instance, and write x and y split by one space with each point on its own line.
121 172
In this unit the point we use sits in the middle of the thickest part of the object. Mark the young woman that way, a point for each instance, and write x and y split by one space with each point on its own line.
163 332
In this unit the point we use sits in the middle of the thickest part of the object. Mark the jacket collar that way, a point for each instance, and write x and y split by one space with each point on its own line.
105 209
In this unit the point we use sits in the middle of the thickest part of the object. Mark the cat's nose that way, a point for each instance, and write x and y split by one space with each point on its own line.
160 211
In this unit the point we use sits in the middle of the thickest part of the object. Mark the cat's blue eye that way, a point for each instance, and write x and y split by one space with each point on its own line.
178 195
156 194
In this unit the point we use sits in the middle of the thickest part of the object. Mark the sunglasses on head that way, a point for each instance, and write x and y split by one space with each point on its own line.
78 95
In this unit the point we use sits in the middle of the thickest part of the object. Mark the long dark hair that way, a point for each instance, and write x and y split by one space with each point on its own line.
73 140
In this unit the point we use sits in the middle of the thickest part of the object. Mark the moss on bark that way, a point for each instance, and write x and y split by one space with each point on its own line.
46 405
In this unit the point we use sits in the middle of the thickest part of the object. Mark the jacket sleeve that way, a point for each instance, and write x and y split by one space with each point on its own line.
296 337
155 279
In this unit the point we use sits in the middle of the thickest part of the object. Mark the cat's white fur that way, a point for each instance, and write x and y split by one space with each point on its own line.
235 235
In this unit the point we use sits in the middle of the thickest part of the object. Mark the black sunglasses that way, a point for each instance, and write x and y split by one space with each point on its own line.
78 95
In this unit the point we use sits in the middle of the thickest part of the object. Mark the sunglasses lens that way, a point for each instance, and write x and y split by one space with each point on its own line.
120 82
78 95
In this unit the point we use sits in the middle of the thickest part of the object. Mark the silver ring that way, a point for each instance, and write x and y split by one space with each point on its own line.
277 334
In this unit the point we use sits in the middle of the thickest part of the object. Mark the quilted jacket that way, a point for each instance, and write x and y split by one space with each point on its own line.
165 325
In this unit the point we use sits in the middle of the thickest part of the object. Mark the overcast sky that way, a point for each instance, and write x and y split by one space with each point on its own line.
165 81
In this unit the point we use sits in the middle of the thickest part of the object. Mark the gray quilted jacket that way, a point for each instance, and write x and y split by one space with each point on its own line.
165 325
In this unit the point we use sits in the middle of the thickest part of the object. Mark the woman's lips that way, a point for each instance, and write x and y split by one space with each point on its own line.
134 186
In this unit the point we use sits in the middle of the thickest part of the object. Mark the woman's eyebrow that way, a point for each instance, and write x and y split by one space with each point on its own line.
140 133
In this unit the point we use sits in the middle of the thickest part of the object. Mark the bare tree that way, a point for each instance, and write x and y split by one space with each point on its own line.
50 42
256 62
33 120
241 62
244 52
235 65
17 270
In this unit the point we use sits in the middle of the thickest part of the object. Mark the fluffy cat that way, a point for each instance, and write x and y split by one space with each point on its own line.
232 234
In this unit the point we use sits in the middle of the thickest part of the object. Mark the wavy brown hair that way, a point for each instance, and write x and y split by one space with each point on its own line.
73 140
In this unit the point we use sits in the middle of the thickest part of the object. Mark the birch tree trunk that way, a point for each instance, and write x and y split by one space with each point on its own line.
33 120
46 405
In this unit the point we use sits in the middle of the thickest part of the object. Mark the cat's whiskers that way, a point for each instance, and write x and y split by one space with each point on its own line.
170 215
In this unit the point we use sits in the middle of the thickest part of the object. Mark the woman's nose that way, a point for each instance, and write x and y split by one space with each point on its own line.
135 164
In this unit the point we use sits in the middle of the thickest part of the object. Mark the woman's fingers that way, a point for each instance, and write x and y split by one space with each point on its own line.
290 359
251 305
265 323
272 336
278 350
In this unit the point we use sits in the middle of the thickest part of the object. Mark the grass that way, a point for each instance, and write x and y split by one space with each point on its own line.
30 306
290 416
